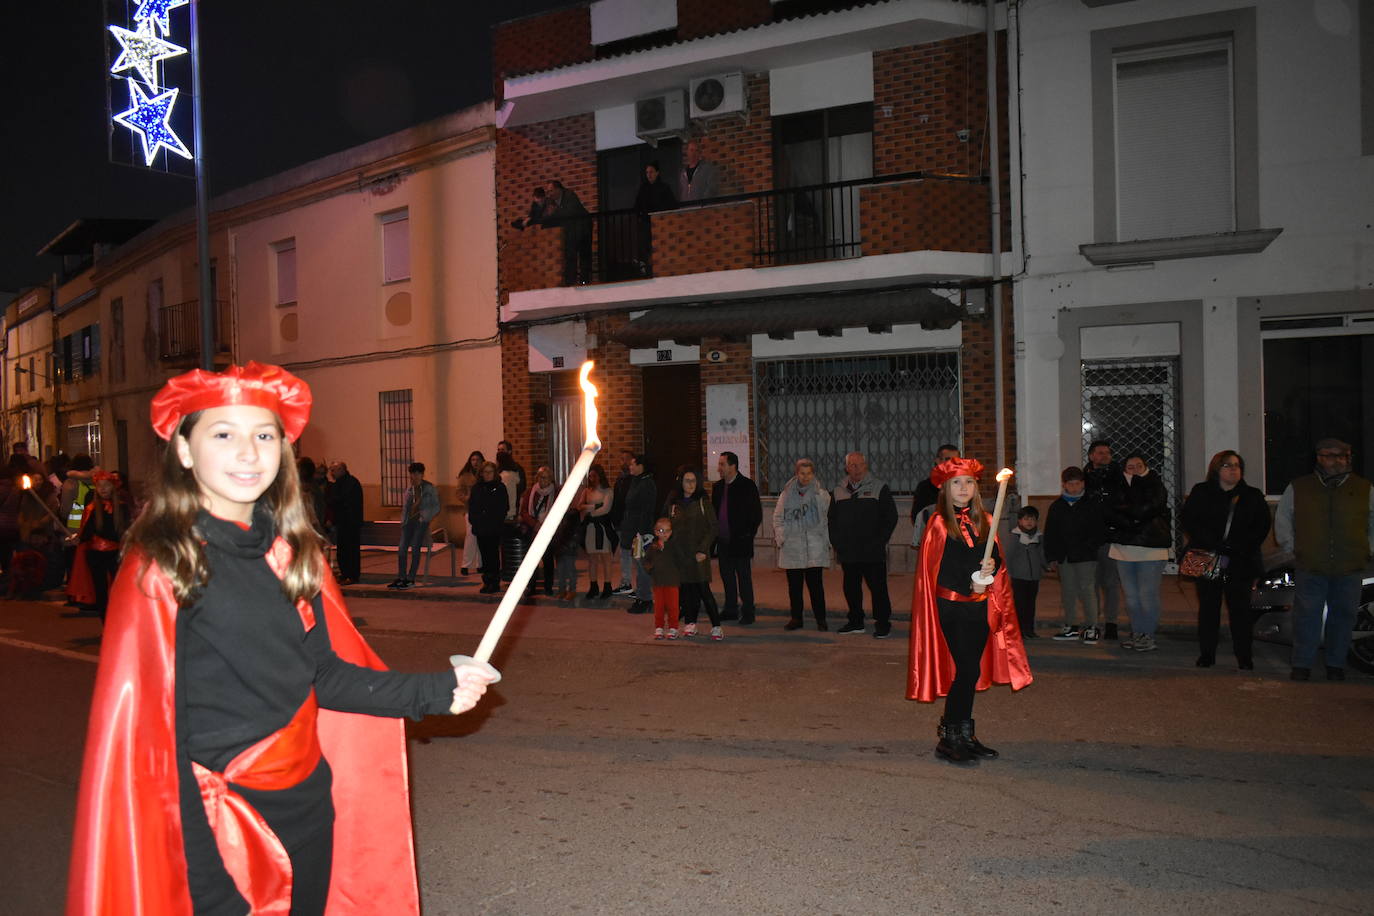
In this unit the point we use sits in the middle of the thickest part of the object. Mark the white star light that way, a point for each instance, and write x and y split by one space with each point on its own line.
141 51
155 11
148 117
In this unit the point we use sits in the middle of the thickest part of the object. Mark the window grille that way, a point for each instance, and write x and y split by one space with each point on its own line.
398 443
896 408
1133 404
286 271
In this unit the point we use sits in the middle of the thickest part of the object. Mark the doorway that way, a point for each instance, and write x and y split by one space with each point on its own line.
672 422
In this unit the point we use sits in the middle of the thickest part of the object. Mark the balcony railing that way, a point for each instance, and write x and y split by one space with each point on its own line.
178 329
845 219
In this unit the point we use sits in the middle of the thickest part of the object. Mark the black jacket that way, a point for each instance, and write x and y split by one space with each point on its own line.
346 502
654 196
1074 532
487 505
1140 517
926 494
861 523
641 500
1204 519
1105 486
745 514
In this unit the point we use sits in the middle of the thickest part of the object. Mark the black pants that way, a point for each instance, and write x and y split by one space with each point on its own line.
103 565
874 575
1237 595
965 627
691 596
489 546
1024 593
348 546
814 584
548 563
738 577
577 255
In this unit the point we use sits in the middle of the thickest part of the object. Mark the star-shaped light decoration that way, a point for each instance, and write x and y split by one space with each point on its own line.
148 117
141 51
156 11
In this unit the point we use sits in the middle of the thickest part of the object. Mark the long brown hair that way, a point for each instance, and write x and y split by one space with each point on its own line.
166 534
977 514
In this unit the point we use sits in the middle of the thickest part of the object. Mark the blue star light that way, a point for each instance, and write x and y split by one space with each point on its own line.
141 51
148 118
156 11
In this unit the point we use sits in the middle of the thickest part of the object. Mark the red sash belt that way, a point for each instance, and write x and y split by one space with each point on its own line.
104 545
941 592
252 853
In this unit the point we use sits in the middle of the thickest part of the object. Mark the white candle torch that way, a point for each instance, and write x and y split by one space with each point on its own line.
27 483
1002 477
550 525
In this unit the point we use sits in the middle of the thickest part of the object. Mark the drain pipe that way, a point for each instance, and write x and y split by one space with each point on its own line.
995 207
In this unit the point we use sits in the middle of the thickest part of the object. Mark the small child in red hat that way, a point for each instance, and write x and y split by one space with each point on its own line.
245 751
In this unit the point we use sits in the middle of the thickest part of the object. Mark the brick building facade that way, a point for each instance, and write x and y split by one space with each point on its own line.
912 220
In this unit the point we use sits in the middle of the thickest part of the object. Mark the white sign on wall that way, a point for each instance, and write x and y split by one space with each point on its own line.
727 426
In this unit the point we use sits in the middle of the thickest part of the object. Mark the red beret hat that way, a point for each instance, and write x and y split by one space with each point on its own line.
100 474
956 467
255 384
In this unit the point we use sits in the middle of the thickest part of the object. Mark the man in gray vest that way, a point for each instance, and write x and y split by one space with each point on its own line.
862 517
1326 520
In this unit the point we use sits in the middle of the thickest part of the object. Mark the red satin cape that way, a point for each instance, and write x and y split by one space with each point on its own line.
127 852
930 668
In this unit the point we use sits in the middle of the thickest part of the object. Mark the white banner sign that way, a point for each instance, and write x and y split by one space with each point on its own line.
727 426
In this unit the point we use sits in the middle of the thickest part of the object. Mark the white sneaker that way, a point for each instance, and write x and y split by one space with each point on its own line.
1068 633
1145 644
658 632
1090 636
689 630
672 632
717 634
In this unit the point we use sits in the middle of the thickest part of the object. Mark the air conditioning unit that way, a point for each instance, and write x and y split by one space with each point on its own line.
713 96
660 116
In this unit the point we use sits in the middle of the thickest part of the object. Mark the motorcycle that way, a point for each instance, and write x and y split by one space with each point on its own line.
1272 605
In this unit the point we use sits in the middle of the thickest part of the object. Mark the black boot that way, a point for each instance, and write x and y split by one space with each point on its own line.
593 593
979 748
952 745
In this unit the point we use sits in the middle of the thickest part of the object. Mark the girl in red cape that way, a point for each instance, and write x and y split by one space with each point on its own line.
245 752
964 632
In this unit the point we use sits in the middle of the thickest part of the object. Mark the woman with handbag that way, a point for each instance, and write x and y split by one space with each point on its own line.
1225 520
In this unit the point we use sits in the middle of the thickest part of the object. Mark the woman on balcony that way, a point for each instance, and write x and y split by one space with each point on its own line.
653 195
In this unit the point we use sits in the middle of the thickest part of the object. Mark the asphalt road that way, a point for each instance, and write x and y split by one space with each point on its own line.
785 773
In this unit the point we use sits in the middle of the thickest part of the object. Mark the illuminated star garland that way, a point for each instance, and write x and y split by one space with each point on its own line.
148 116
155 11
141 51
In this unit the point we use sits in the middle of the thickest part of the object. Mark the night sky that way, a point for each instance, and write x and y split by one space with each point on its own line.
285 82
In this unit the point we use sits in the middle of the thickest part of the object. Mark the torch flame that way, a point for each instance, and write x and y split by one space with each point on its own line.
27 484
589 406
1004 474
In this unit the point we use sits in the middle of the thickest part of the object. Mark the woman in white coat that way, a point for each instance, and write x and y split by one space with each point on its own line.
801 533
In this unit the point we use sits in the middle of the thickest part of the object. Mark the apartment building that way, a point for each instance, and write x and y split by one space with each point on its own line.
834 294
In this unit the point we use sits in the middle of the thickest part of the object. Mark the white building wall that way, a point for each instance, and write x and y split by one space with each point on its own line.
356 336
1313 184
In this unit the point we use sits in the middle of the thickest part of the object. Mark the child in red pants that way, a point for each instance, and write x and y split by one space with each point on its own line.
663 558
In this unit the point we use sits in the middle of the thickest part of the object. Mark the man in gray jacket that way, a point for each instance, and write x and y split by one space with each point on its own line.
863 515
418 510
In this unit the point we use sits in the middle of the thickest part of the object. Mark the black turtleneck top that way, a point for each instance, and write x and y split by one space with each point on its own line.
961 560
245 664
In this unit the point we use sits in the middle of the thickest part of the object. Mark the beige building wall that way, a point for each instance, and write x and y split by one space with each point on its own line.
351 335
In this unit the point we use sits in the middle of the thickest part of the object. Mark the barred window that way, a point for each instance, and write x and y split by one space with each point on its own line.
398 443
896 408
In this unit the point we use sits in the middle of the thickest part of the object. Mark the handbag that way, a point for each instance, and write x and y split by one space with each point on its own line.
1208 564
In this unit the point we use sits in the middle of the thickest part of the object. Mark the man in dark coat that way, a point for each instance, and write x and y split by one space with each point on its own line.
636 519
1105 485
862 517
565 211
345 502
738 514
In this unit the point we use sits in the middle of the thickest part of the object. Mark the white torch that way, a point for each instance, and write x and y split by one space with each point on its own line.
547 529
1003 476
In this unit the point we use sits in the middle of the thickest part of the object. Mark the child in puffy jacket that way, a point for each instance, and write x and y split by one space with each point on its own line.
665 559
